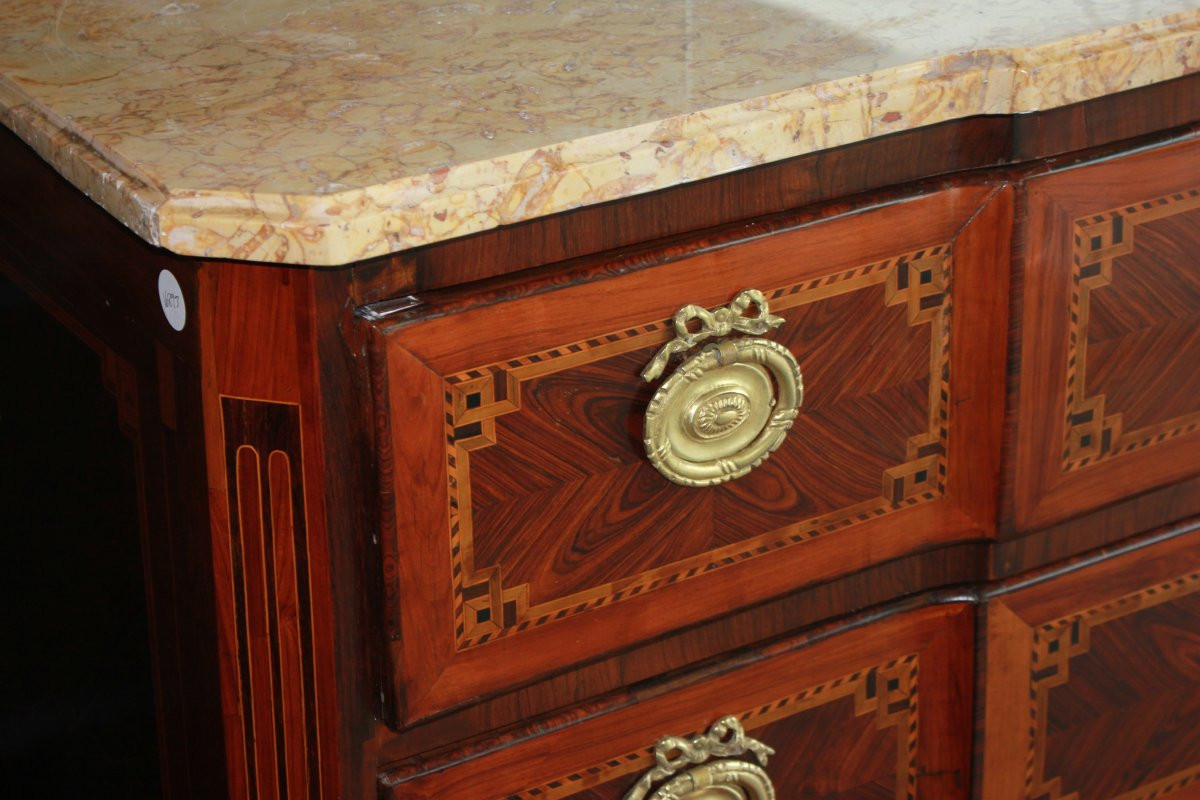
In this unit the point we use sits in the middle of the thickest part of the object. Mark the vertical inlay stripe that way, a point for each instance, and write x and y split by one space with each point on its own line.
272 599
295 764
257 659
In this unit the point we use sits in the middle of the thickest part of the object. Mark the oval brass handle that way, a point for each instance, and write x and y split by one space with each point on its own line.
728 407
728 778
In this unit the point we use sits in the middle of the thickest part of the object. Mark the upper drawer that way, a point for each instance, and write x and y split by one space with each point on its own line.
532 532
1109 400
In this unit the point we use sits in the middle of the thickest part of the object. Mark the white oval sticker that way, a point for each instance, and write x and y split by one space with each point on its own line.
171 296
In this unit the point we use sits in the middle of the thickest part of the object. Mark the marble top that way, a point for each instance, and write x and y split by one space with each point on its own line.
327 131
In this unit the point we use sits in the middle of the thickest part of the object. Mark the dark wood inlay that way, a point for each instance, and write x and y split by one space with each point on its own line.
271 597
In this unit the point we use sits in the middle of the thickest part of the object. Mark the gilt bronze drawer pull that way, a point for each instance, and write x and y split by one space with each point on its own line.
729 778
728 407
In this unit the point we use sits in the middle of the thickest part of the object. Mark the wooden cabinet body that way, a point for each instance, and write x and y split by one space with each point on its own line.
413 505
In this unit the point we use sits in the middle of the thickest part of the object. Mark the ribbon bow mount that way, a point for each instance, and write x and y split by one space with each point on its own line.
713 324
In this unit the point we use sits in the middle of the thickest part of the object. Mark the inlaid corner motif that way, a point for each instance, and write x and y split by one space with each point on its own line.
1054 644
486 608
1091 434
888 691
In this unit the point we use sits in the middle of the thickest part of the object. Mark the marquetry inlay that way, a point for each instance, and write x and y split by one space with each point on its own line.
1054 644
487 608
888 691
271 598
1093 434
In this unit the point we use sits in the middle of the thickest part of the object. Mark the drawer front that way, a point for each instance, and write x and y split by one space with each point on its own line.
533 532
1105 662
1109 386
882 711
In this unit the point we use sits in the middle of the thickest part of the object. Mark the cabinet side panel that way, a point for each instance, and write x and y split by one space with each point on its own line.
270 542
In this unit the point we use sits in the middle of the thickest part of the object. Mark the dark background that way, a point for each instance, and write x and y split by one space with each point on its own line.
76 692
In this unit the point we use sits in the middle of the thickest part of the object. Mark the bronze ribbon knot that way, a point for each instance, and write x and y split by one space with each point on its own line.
721 322
725 738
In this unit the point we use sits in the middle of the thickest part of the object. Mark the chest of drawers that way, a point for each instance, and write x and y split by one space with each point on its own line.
907 507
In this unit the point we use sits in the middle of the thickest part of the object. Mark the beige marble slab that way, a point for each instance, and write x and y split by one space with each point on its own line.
328 131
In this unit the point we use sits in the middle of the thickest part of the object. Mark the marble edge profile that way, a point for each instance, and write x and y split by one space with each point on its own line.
353 225
128 198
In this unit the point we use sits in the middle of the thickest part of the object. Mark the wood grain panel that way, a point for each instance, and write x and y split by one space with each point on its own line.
548 515
279 690
1136 298
881 711
1138 674
1093 681
552 489
1110 334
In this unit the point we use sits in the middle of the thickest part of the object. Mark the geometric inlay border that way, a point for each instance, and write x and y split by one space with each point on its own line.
1054 644
486 609
888 691
1090 435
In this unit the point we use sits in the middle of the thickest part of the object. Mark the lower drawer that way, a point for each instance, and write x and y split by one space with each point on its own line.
1092 681
882 710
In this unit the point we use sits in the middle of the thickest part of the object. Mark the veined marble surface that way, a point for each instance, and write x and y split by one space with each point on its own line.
328 131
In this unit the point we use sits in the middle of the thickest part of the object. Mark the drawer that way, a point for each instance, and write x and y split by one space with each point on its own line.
880 711
1093 680
1109 402
532 532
